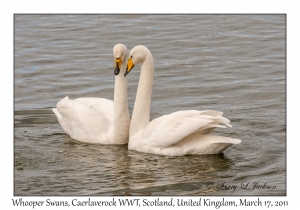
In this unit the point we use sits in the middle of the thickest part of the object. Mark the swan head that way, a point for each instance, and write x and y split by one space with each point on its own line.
120 53
137 55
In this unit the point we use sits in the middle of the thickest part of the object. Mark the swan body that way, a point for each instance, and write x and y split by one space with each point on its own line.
175 134
99 120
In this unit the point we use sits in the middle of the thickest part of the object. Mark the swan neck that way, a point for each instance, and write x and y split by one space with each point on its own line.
121 113
141 111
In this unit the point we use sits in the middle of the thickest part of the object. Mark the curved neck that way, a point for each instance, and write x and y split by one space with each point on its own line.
141 111
121 113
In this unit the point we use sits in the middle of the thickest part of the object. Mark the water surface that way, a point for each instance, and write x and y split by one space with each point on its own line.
230 63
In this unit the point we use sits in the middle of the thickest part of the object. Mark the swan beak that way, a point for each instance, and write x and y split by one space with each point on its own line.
130 65
118 63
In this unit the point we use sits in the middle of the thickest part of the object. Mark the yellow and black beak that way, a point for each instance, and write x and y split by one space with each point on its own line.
118 64
130 65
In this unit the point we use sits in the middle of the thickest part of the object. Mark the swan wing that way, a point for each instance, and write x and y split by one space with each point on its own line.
170 129
82 122
197 143
101 105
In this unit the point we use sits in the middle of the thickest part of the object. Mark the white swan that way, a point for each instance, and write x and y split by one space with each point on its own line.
99 120
176 134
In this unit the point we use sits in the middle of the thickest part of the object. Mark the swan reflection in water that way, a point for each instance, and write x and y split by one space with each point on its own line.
113 170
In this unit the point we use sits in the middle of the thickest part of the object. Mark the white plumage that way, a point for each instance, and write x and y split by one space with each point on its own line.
179 133
99 120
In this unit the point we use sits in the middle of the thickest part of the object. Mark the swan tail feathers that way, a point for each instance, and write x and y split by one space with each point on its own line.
217 148
61 121
197 144
207 144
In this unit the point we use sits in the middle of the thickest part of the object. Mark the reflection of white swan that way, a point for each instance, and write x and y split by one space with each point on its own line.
179 133
99 120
